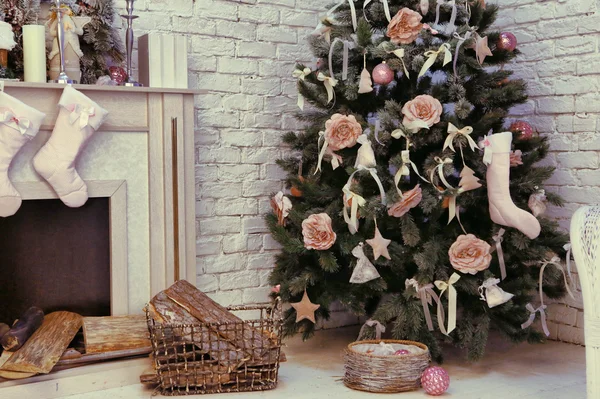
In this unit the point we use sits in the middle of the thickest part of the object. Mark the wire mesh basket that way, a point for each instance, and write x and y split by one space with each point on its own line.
223 357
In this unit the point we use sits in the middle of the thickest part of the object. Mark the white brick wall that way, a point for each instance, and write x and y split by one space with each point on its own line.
560 62
243 52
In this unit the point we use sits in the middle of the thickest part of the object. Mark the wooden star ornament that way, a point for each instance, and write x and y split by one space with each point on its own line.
379 245
481 48
305 309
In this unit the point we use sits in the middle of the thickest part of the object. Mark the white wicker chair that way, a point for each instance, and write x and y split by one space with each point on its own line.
585 241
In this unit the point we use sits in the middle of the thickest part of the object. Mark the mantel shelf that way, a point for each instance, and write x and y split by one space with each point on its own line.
58 86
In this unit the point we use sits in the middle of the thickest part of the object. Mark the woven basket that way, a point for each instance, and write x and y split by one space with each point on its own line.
384 374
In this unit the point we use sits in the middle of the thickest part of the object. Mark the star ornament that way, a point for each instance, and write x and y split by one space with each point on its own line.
305 309
481 48
379 245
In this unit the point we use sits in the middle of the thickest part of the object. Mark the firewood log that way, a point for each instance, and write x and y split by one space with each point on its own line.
4 328
20 332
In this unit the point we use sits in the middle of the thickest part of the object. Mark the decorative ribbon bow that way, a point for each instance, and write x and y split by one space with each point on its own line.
452 16
498 238
379 328
405 171
453 131
82 113
490 282
533 311
440 169
445 48
357 200
324 30
461 40
373 173
555 261
11 120
452 301
329 83
427 294
301 74
386 9
400 54
336 160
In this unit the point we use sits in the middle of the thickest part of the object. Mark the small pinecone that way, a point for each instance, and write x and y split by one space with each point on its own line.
463 108
417 63
456 91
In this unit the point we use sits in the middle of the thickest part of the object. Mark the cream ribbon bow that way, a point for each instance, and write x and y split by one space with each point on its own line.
405 171
452 302
533 311
301 74
427 294
453 131
82 113
357 200
445 48
400 54
386 9
440 169
11 120
498 238
329 83
336 160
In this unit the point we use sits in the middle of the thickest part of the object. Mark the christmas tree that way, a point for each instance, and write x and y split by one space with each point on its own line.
402 208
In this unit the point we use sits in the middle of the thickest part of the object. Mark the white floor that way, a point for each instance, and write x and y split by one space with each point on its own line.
314 368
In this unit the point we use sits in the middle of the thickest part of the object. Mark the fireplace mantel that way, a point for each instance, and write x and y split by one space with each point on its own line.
145 149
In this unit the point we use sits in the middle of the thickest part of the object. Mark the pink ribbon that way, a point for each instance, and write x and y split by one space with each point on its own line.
82 113
427 294
498 238
532 311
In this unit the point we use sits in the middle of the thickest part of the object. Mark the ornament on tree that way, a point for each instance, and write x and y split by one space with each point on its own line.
468 180
481 47
117 74
276 289
365 85
469 254
305 309
379 245
320 63
507 41
72 29
516 158
78 119
352 200
453 132
424 6
422 112
382 74
401 352
409 200
365 156
341 131
317 232
432 57
435 380
523 129
281 206
364 271
386 9
537 203
301 74
444 286
494 295
503 211
405 27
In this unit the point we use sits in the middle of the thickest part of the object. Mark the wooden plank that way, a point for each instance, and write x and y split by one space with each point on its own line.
119 301
205 309
23 328
118 90
188 271
71 359
45 347
165 311
109 334
11 375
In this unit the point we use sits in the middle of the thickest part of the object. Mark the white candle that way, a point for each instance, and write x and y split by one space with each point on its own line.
34 53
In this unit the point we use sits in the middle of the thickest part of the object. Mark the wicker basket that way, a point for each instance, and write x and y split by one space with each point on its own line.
184 369
384 374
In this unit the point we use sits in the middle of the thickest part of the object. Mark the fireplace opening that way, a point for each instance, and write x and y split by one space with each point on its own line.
56 258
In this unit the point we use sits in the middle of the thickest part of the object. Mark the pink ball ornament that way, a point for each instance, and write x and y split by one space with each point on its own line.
383 74
117 74
435 380
320 63
507 41
522 128
401 352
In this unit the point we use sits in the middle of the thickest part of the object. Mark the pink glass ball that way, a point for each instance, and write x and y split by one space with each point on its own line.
320 63
435 380
383 74
117 74
523 128
507 41
401 352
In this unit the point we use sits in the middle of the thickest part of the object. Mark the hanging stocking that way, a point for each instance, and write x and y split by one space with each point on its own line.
503 211
19 123
78 119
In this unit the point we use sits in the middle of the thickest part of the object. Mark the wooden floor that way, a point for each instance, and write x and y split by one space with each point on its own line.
550 371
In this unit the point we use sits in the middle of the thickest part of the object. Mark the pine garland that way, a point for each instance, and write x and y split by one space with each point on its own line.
479 97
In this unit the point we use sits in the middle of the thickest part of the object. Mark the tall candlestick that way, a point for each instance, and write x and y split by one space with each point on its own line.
129 42
60 37
34 53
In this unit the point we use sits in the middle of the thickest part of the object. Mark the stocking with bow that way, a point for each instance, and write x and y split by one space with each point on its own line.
79 117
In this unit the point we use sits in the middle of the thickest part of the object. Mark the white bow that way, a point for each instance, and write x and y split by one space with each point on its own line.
453 131
82 113
532 312
11 120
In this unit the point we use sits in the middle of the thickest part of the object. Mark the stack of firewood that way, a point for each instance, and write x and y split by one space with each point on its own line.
198 342
38 343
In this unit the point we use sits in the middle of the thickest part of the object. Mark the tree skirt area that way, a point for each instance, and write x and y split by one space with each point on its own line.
314 370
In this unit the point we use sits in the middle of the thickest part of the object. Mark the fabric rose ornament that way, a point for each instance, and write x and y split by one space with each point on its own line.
469 254
317 232
410 199
342 131
404 27
423 111
515 158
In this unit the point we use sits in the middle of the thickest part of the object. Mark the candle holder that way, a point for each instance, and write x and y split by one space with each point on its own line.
129 43
62 75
